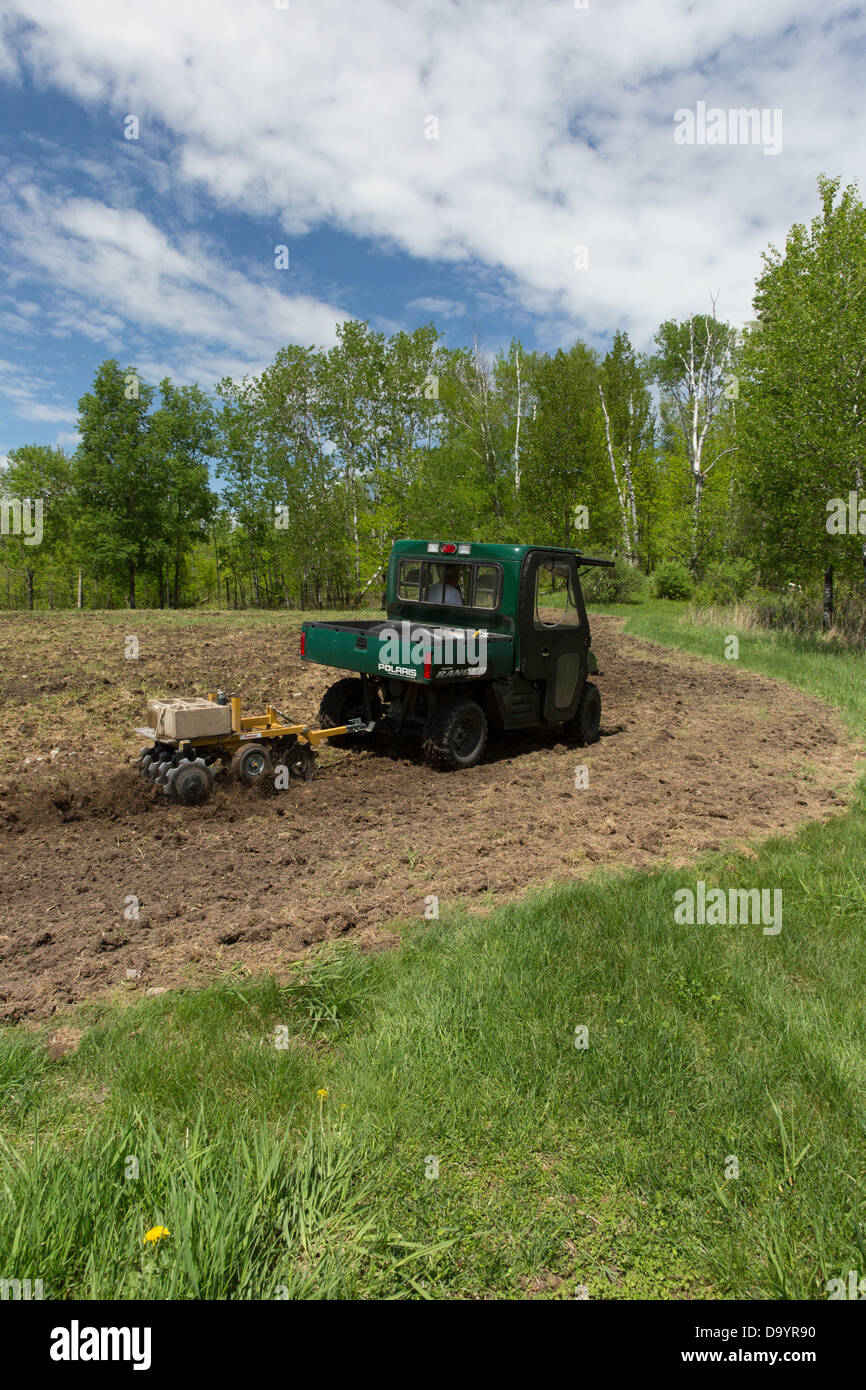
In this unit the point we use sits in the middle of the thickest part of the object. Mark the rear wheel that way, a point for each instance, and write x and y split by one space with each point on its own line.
344 701
252 764
456 734
587 721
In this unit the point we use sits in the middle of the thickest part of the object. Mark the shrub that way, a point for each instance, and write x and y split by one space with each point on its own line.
622 584
672 580
726 581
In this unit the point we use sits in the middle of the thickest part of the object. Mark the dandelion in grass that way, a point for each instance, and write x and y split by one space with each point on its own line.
322 1093
155 1235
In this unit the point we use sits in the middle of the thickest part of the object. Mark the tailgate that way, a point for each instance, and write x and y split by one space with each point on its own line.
349 646
401 649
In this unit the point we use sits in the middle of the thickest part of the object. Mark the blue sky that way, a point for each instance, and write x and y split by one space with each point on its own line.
310 125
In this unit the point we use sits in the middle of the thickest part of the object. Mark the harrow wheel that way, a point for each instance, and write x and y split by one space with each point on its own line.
252 764
301 762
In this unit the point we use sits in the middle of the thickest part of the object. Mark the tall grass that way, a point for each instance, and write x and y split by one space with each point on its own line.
796 614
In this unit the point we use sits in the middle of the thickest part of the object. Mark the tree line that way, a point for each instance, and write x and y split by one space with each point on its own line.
718 451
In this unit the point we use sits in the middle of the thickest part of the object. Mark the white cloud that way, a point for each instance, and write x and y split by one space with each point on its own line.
555 130
111 269
27 391
53 414
438 308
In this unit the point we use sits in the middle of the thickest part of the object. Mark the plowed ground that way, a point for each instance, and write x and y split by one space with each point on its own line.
692 757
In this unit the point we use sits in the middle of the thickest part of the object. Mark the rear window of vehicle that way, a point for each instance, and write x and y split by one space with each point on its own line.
486 586
409 580
446 584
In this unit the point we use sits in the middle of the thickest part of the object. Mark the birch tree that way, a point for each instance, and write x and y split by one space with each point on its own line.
692 366
352 403
628 428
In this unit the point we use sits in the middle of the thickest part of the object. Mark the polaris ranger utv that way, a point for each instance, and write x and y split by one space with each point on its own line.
477 636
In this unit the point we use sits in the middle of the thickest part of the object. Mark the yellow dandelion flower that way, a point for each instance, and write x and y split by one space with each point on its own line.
322 1093
155 1234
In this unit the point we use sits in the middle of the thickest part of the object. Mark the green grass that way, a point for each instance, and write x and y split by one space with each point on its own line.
558 1166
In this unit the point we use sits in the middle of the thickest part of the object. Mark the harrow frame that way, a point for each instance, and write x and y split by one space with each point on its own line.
183 767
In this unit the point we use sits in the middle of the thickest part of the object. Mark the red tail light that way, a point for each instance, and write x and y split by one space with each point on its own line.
448 549
428 667
303 643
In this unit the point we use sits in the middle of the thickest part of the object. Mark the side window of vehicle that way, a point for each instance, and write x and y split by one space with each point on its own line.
486 586
555 604
409 580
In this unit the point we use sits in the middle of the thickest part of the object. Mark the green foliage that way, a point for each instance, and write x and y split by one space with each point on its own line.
672 580
115 475
725 581
797 612
40 477
140 479
183 438
804 392
565 464
622 584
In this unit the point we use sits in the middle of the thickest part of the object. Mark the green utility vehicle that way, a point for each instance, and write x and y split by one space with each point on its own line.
477 636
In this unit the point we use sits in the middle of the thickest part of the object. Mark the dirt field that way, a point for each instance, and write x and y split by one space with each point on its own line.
692 757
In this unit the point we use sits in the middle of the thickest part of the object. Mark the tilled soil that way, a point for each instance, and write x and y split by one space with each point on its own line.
693 757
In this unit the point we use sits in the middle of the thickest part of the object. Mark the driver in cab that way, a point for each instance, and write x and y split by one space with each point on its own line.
447 591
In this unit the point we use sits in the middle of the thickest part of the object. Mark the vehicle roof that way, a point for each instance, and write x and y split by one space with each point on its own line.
479 550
